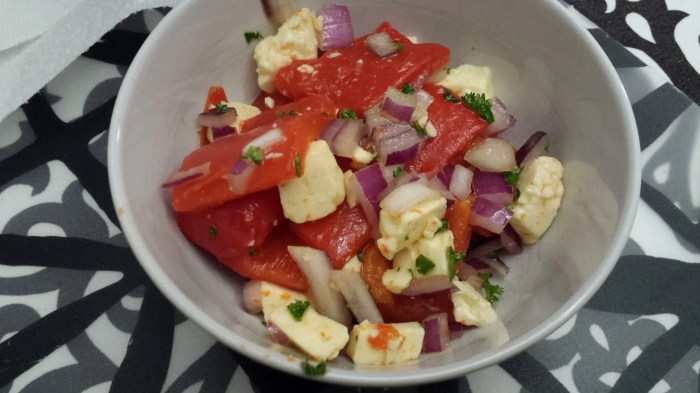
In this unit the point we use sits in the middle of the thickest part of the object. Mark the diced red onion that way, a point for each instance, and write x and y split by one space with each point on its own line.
492 155
357 296
489 215
395 143
367 184
343 135
445 174
461 182
437 333
331 130
278 335
496 265
180 177
252 297
404 197
337 27
239 166
465 270
484 249
394 183
374 119
511 240
218 133
456 329
492 186
238 182
536 145
503 119
436 184
423 101
477 264
381 44
398 106
427 284
215 119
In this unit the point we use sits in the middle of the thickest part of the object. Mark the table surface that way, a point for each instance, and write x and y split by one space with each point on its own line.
77 313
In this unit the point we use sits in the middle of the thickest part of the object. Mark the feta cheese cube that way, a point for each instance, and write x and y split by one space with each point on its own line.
541 191
318 336
319 190
469 79
396 280
405 343
275 297
353 264
470 308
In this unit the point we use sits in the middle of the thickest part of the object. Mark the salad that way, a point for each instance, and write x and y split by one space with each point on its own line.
365 193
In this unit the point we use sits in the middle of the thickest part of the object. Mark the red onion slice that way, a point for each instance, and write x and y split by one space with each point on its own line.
252 297
278 335
381 44
395 143
239 166
489 215
180 177
511 240
215 119
437 333
492 186
456 329
461 182
367 184
536 145
503 119
238 182
423 101
484 249
337 27
331 130
427 284
398 106
496 265
218 133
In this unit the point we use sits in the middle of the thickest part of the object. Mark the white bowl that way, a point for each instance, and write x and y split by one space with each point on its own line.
548 70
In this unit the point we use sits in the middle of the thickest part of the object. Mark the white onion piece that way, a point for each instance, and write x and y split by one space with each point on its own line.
337 27
252 297
346 139
437 333
503 119
427 284
278 335
492 155
356 294
423 101
536 145
216 119
461 182
398 106
180 177
404 197
381 44
317 268
489 215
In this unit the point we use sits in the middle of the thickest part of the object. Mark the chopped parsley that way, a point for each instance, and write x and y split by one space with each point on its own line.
254 154
324 114
280 115
493 292
449 96
405 237
212 231
512 177
292 113
310 369
251 36
399 46
546 148
398 171
297 165
406 89
347 113
479 104
251 252
516 196
223 107
361 256
443 226
452 259
448 70
419 130
298 308
424 264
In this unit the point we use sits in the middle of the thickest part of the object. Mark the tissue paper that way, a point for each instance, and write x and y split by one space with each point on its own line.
39 38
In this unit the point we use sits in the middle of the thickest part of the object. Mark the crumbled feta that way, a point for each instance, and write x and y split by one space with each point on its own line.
362 156
407 346
541 190
296 39
469 79
269 102
333 55
305 68
320 337
470 308
396 280
351 197
319 190
353 264
243 112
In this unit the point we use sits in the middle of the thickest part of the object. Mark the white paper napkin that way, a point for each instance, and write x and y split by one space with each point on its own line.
39 38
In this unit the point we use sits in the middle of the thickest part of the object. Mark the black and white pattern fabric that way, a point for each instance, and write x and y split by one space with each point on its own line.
77 313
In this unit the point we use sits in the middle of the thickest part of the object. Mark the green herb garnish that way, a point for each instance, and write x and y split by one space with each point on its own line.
251 252
448 70
212 231
398 171
512 177
251 36
254 154
419 130
452 259
298 308
517 194
324 114
292 113
223 107
347 113
361 256
492 291
399 46
449 96
310 369
479 104
443 226
297 165
406 89
546 148
424 264
280 115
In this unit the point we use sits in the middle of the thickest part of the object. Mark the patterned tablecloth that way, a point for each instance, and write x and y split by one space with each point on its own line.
77 313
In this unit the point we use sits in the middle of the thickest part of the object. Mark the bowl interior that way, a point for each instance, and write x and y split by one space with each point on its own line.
549 72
